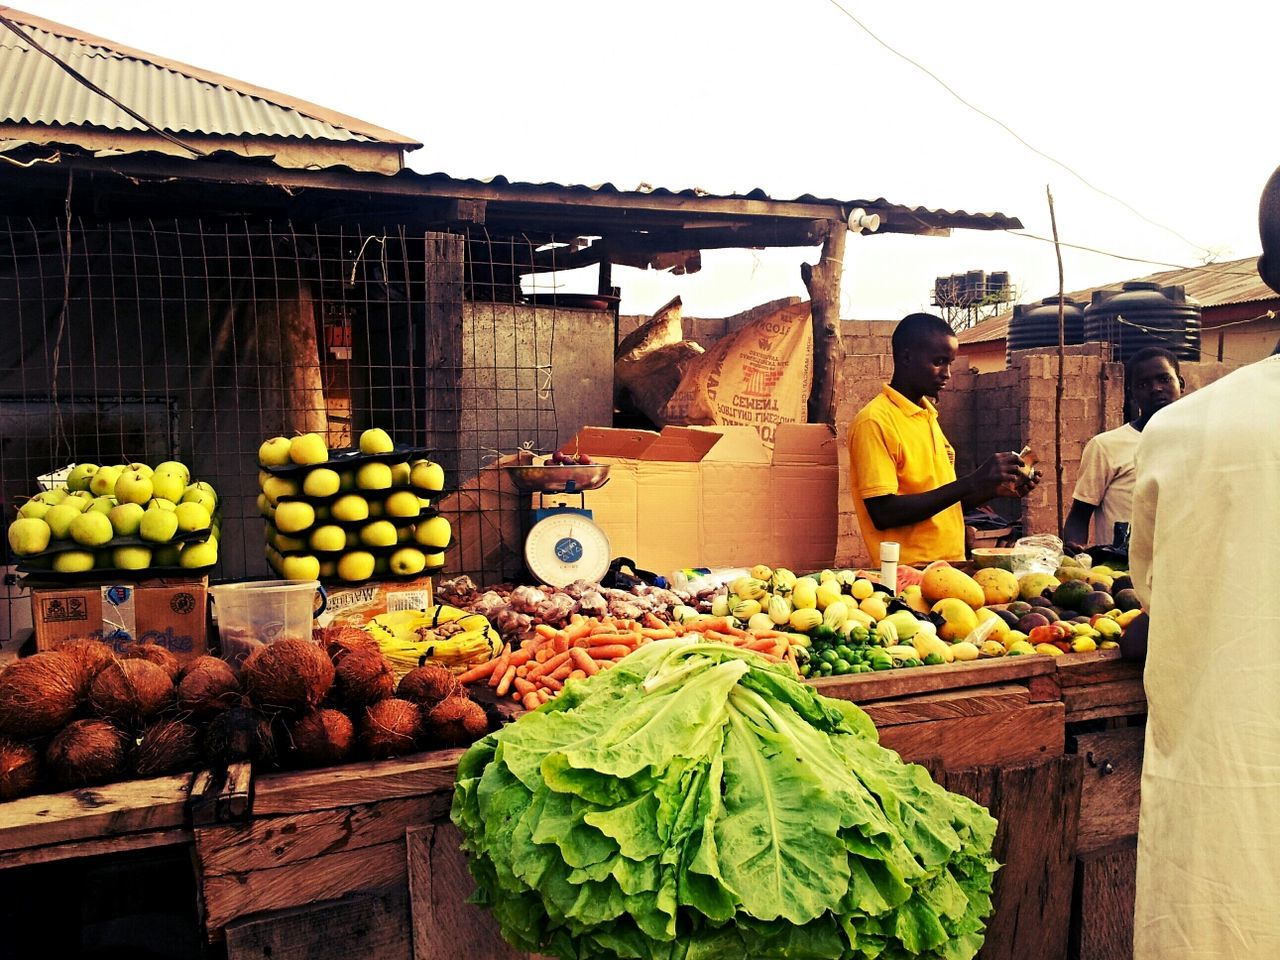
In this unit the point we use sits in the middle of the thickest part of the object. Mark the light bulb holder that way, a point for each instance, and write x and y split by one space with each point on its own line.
860 220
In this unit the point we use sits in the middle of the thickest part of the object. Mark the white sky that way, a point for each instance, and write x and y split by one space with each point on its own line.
1170 106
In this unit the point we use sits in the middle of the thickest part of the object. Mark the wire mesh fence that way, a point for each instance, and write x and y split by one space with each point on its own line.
195 340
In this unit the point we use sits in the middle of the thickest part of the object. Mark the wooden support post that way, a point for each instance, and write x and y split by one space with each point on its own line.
823 283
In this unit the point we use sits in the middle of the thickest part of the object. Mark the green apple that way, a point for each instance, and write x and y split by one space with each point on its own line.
435 560
400 474
321 482
91 529
192 516
35 509
102 505
80 475
160 503
434 533
126 518
294 516
356 566
376 440
274 452
158 524
134 487
80 499
141 468
284 541
74 561
407 561
166 555
427 475
103 482
308 448
277 487
168 483
373 476
349 508
192 555
131 558
59 518
379 533
202 493
28 535
300 567
52 497
328 538
402 503
175 466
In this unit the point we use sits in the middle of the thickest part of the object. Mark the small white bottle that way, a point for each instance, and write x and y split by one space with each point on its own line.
889 566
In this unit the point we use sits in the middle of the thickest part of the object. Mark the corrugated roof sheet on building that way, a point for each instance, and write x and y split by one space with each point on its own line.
176 97
1213 285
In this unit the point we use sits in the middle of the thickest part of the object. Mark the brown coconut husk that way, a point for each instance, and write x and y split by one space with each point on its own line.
428 685
340 639
91 655
236 734
86 752
289 675
456 722
158 655
19 769
322 737
390 728
166 746
207 687
130 692
364 676
40 694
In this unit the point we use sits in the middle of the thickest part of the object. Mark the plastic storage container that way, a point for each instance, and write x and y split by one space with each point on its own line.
253 614
1036 325
1144 314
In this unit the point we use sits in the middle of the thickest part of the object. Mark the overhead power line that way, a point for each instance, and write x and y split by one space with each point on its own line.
1206 268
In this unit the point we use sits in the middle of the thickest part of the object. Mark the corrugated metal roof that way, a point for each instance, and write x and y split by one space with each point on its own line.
176 97
1213 285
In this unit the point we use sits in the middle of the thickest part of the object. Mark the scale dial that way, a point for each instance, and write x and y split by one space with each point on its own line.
566 547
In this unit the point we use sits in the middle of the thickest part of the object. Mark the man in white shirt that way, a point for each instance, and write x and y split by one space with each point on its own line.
1104 487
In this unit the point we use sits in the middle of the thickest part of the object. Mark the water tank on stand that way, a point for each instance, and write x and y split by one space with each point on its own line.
1144 314
1036 325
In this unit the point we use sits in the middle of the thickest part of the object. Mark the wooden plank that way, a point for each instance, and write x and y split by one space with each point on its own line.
1037 806
440 340
1111 711
1010 736
127 843
94 813
353 928
267 842
864 687
1109 793
444 924
949 704
1102 921
1100 666
368 869
1044 688
222 796
1092 696
352 783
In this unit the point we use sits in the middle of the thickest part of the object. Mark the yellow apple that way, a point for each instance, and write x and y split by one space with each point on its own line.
192 516
158 524
379 533
192 555
103 482
80 475
160 503
131 558
433 533
28 535
91 529
435 560
276 487
294 516
202 493
402 503
35 509
264 506
174 466
427 475
134 486
328 538
321 482
400 474
168 483
356 566
80 499
101 505
283 541
165 555
73 561
407 561
126 518
274 452
308 448
59 518
350 508
301 566
373 476
376 440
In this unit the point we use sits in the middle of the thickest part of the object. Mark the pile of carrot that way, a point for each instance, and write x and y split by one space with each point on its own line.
536 671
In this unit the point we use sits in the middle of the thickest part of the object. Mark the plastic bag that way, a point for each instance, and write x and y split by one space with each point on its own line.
1038 554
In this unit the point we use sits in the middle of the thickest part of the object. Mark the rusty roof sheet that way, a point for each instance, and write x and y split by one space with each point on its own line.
176 97
1213 285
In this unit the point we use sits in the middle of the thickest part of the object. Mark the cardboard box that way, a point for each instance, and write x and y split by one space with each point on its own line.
357 605
715 496
168 612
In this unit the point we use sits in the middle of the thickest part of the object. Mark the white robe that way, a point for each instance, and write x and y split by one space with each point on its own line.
1205 558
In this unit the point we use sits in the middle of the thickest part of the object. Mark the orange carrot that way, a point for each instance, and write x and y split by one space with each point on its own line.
521 656
607 639
523 686
657 633
479 672
577 674
505 683
653 622
522 670
561 672
544 695
761 643
531 701
551 683
583 661
548 665
545 631
501 667
615 651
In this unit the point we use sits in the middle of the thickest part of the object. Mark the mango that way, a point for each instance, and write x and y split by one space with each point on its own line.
1070 594
874 606
1048 649
991 648
941 583
913 598
1019 649
998 586
959 619
964 651
1034 584
828 593
1083 645
1000 630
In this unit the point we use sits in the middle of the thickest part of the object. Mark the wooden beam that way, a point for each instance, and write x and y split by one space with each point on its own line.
865 687
823 283
353 783
353 928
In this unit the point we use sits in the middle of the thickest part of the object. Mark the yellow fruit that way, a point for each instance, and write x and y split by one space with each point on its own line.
828 593
860 617
779 609
1033 584
804 595
1019 649
1084 645
959 619
998 586
874 606
1127 617
1108 645
835 614
990 648
927 643
805 619
942 583
1000 630
862 588
914 599
749 588
762 572
1048 649
964 651
745 609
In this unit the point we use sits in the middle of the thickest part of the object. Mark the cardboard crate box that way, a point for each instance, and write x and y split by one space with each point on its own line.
357 605
169 612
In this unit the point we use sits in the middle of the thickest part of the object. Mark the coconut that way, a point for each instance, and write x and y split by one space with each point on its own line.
207 687
238 733
19 769
166 746
456 722
322 737
340 639
364 676
40 694
157 655
130 691
390 728
86 752
91 655
289 675
428 685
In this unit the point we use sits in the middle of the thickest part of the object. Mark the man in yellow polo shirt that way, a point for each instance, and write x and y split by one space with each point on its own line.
902 469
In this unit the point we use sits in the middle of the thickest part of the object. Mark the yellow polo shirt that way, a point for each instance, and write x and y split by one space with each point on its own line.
897 447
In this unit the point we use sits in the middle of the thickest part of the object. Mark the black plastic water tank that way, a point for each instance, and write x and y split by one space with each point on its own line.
1036 324
1144 314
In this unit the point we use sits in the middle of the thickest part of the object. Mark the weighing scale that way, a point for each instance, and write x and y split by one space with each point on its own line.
562 543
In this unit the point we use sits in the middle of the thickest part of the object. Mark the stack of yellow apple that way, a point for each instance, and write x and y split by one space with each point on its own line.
350 515
127 517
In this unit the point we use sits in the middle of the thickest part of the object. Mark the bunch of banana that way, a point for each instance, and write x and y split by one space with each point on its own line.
439 634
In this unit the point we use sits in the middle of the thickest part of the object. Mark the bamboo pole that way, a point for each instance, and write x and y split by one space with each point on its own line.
1057 397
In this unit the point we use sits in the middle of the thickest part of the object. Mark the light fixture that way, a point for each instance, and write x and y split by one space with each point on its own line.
860 220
